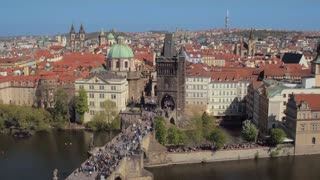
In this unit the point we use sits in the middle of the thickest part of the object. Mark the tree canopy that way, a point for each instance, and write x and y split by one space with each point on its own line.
161 131
24 117
82 103
218 137
249 131
109 109
277 136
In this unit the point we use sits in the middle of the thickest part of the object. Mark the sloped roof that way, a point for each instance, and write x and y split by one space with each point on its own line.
291 58
312 100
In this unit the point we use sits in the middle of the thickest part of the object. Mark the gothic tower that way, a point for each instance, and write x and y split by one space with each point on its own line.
77 39
251 45
82 35
316 68
171 70
102 38
72 34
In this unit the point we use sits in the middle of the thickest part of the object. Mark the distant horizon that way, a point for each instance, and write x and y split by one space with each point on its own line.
39 18
107 30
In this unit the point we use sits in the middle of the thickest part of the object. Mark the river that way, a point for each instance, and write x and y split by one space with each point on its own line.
36 157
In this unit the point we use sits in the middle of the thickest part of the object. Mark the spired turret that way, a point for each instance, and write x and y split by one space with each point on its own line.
102 38
316 67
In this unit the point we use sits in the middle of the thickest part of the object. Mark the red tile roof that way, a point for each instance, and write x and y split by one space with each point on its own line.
221 73
312 99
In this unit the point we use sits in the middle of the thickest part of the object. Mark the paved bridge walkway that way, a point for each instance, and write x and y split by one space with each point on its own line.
112 161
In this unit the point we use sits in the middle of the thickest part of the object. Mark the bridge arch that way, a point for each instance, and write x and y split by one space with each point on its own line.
118 177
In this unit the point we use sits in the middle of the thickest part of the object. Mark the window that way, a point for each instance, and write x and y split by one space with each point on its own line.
302 127
113 96
91 87
113 88
101 104
126 64
284 95
314 127
101 95
117 64
91 112
101 87
313 140
81 86
284 103
91 95
91 103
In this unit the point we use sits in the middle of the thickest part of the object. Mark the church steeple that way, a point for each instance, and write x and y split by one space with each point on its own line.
72 31
102 37
81 31
316 67
251 34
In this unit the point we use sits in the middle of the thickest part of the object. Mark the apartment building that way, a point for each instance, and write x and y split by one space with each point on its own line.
101 87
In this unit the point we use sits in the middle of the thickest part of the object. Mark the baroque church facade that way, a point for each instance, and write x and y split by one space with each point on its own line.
77 39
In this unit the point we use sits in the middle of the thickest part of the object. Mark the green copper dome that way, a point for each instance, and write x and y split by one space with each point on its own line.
120 51
110 36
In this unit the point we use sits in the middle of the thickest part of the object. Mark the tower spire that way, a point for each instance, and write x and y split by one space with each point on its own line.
81 31
227 21
251 34
72 31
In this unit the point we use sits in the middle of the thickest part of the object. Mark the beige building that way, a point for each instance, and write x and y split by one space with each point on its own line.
303 122
271 104
219 93
214 60
18 90
102 87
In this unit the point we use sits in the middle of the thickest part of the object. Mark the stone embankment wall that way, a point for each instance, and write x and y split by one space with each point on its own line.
224 155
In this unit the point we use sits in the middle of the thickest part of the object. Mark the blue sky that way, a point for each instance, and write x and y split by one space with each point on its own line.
42 17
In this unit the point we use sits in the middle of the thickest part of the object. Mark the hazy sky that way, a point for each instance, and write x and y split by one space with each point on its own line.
41 17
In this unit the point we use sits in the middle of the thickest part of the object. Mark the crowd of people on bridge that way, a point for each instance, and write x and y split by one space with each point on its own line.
126 144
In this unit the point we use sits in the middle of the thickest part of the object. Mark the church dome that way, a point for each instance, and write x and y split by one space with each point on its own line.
120 51
110 36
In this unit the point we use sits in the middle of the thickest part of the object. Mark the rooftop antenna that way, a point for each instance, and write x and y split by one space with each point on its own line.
227 21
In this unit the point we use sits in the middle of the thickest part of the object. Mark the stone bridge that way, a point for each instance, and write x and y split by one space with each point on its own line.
130 167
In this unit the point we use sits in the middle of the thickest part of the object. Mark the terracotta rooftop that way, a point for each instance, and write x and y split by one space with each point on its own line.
313 100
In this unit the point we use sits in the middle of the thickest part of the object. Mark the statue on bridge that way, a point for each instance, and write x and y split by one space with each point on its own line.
55 174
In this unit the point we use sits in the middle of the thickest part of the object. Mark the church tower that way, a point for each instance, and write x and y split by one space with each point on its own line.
251 45
170 90
316 68
82 36
102 38
77 39
72 35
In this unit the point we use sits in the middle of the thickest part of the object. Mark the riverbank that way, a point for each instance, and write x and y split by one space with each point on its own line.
174 158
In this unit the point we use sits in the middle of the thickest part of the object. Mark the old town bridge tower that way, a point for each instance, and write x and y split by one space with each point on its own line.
171 70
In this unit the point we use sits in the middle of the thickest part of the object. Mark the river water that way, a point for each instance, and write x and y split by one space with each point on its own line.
36 157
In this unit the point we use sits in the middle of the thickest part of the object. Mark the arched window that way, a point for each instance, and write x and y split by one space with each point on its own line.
313 140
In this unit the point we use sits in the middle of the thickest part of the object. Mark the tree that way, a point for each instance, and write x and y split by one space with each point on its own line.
116 123
277 136
161 131
218 137
61 106
82 103
249 131
173 135
110 109
207 124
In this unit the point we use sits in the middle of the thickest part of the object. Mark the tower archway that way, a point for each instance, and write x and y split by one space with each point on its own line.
168 103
